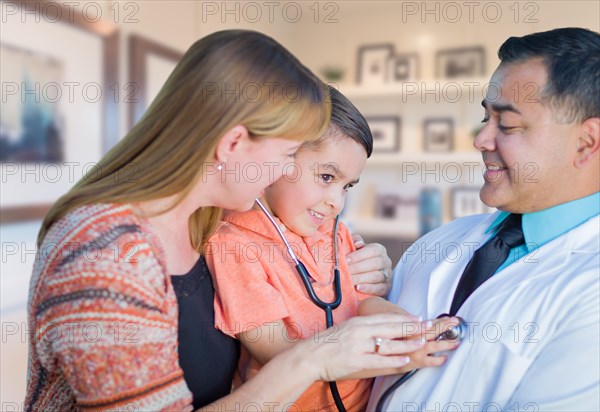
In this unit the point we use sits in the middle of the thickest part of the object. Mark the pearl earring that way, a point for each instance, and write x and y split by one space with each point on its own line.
219 167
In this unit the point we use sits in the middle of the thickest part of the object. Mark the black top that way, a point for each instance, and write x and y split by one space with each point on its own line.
207 356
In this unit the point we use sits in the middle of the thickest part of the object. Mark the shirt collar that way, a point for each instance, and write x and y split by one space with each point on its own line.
545 225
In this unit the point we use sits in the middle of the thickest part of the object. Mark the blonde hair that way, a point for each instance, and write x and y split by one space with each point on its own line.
225 79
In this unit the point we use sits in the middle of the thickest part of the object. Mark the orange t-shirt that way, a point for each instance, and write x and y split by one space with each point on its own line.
256 283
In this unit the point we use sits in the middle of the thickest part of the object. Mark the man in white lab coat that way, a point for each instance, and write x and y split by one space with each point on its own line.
533 338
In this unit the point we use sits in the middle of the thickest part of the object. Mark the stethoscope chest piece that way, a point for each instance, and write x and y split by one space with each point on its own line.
456 332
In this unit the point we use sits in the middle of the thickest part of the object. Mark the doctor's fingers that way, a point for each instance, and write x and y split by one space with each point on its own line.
367 284
371 274
358 240
376 276
369 258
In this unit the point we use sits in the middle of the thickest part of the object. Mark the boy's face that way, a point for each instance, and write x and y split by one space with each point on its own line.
314 191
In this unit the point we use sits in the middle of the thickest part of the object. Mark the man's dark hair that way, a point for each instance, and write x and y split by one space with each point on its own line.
346 121
572 59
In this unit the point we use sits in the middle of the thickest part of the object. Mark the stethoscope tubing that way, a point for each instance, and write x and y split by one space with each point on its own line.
328 307
305 275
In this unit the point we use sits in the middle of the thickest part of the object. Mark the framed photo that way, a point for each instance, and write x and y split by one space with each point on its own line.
386 205
402 68
438 134
397 206
463 62
52 137
150 64
386 133
465 201
31 132
372 61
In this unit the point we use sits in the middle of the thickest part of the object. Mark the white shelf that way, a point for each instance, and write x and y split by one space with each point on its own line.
391 159
412 88
383 227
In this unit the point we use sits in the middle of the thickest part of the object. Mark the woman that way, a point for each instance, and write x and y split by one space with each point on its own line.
102 308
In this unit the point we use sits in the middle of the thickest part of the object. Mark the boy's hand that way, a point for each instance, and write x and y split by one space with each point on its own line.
370 267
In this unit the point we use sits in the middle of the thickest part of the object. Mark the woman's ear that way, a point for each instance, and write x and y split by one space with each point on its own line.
230 143
588 143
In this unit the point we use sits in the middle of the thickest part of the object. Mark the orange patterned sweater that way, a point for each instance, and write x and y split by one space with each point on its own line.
103 317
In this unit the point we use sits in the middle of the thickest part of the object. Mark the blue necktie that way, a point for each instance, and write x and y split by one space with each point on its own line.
487 259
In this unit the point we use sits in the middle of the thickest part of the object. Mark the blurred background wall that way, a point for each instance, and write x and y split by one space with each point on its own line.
76 74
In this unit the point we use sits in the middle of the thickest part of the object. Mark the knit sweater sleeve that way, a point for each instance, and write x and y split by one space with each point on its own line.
103 316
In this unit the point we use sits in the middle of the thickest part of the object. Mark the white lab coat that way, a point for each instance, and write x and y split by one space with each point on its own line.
534 327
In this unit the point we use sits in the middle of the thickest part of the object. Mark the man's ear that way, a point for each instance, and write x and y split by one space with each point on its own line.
588 143
230 143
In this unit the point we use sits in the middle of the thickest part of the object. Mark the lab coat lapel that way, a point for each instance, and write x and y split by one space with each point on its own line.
545 261
445 276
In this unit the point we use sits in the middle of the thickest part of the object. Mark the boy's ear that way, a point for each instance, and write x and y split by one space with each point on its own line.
588 143
230 143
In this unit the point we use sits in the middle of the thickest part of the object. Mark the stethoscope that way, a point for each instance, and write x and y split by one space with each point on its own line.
327 307
456 332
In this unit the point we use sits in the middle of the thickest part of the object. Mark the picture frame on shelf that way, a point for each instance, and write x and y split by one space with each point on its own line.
386 205
150 64
438 134
386 133
78 124
460 63
396 206
465 202
371 63
402 68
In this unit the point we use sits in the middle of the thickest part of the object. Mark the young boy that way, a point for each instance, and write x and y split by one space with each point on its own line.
260 298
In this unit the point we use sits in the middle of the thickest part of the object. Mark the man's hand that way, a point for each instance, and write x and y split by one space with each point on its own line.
370 267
